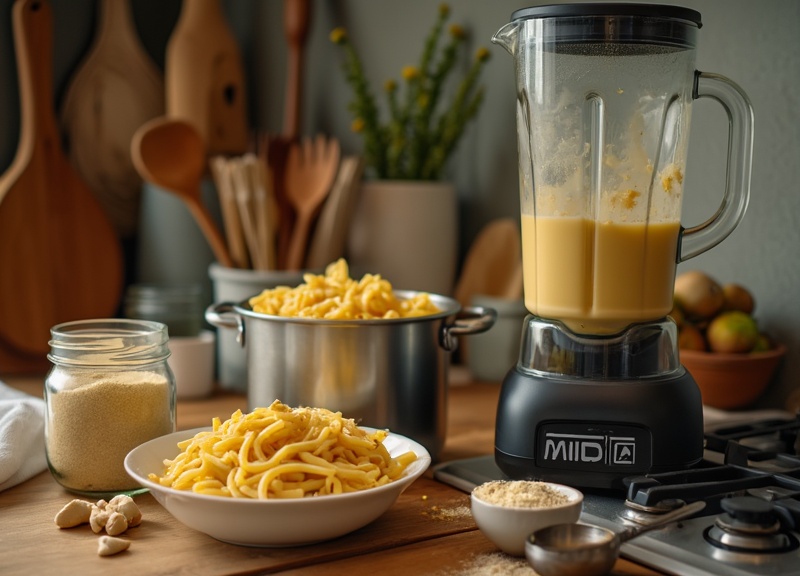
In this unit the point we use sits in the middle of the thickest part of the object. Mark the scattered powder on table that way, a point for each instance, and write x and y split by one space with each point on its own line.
456 513
520 494
93 426
493 564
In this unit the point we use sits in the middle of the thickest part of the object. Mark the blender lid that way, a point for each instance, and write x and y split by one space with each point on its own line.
609 9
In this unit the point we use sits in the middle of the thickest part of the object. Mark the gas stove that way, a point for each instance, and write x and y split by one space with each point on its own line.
749 479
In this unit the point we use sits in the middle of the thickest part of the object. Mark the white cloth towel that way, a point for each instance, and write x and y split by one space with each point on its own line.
22 454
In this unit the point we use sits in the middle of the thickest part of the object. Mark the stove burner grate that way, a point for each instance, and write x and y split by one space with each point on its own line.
745 471
764 438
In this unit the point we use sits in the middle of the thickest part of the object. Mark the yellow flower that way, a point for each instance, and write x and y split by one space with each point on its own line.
357 125
338 35
457 31
410 72
418 137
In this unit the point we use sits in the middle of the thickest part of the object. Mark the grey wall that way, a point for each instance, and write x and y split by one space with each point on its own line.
754 42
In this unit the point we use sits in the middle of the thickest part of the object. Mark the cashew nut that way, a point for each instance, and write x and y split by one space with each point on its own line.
116 524
125 505
99 516
75 513
115 516
108 545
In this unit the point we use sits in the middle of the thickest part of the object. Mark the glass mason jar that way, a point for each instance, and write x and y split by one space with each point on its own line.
178 306
109 390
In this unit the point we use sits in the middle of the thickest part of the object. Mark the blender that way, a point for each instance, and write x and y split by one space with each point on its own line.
604 99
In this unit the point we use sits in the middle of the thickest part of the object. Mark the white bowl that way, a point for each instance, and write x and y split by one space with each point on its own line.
271 523
508 527
192 362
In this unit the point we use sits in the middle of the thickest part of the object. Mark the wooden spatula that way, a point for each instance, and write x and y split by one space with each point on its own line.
60 258
310 171
296 20
116 89
329 240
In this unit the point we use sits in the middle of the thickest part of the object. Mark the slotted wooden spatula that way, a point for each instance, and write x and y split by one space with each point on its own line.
310 172
60 258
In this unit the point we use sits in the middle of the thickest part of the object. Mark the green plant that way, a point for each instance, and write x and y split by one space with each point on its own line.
421 131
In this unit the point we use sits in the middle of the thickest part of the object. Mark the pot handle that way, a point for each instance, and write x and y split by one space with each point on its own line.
469 320
223 315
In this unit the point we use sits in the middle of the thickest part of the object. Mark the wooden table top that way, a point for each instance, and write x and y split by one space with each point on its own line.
429 530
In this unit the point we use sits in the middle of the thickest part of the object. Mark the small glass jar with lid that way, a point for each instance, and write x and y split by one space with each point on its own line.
109 390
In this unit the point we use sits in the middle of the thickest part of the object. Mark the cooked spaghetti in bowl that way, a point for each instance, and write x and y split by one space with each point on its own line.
283 452
301 500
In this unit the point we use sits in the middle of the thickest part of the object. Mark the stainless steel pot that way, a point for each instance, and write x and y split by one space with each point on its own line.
384 373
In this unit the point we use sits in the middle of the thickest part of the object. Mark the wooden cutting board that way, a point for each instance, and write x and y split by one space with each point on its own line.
493 264
60 258
116 89
204 78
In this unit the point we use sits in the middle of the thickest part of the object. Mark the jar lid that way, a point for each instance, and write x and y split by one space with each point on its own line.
108 342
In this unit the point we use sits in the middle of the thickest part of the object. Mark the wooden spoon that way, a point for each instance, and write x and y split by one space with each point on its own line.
170 153
310 171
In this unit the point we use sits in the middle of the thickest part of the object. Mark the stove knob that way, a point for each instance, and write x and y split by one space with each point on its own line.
749 510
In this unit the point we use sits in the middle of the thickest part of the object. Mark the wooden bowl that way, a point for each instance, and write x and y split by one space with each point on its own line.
729 381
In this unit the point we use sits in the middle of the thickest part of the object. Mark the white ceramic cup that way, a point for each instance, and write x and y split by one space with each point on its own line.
192 363
494 352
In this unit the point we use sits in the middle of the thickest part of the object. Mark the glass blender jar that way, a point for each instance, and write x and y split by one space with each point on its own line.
604 98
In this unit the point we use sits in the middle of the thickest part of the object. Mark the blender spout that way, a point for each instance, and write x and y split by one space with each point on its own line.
507 37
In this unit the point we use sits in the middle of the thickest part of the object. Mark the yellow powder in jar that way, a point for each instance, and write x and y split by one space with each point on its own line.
520 494
94 425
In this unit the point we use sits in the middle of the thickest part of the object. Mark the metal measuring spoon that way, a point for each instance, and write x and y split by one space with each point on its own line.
586 550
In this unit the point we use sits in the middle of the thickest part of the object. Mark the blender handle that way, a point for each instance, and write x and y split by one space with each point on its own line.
698 239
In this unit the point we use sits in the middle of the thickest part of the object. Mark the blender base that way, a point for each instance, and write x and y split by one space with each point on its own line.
594 433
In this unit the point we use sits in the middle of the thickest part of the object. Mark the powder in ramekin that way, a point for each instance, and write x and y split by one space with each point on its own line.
520 494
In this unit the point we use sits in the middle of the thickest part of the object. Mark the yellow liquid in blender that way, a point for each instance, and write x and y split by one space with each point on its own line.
598 277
